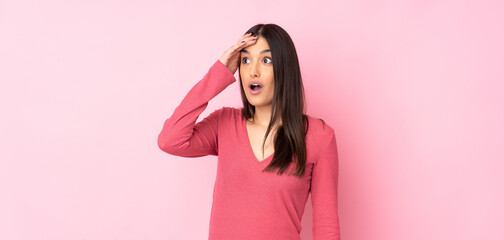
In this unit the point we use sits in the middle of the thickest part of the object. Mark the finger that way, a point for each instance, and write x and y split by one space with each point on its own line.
237 47
243 37
248 40
244 43
246 37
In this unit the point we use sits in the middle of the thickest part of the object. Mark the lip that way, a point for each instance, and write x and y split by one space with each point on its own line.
257 91
257 82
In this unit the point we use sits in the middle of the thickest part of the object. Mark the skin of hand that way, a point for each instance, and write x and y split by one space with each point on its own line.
231 57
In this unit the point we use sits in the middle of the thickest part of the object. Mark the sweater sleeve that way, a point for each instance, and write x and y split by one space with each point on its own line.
324 193
181 135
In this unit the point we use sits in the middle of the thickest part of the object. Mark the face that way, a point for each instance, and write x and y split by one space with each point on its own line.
256 66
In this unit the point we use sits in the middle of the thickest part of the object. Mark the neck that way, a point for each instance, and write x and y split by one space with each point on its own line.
262 116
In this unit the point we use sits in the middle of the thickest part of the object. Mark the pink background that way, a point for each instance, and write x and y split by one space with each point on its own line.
414 90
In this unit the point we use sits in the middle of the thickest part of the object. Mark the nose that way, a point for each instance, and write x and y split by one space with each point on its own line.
254 70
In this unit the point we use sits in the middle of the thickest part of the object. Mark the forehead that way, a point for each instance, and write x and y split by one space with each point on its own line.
257 48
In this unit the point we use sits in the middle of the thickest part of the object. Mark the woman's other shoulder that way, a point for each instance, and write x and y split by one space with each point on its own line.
319 128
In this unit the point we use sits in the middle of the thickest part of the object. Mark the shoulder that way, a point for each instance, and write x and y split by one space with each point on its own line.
224 110
231 111
227 113
319 130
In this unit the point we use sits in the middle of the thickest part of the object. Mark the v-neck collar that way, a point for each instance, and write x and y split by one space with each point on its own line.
251 151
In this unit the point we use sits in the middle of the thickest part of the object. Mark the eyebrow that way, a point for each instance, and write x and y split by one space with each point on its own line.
262 52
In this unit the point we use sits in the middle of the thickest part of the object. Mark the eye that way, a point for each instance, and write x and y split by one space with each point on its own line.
244 60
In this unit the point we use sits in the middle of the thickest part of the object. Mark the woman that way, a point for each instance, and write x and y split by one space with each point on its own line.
254 197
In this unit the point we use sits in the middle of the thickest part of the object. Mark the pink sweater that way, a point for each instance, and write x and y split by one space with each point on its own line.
248 203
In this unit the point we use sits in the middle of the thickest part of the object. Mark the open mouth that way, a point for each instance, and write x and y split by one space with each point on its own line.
256 88
255 85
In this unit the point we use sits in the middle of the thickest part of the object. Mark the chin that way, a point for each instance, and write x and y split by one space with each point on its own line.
258 103
253 103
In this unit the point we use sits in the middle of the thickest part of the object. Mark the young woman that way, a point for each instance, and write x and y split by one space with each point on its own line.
271 155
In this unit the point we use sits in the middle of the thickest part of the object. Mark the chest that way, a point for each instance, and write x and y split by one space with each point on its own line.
256 137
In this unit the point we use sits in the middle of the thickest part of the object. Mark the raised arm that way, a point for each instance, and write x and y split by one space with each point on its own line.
181 136
324 193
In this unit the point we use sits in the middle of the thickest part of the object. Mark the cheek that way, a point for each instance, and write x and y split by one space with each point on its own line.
271 89
271 79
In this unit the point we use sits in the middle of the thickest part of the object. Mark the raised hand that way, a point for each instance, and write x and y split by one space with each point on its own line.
231 57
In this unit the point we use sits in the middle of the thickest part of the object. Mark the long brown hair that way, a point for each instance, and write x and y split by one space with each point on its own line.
288 101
